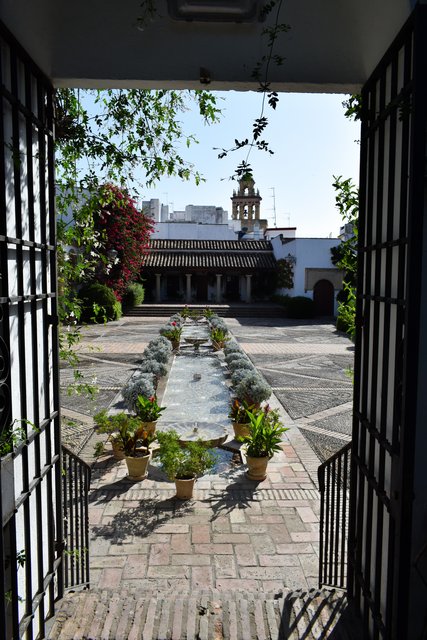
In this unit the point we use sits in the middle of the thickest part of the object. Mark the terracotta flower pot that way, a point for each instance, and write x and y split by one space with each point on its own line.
138 465
184 488
175 345
257 468
150 427
118 452
241 430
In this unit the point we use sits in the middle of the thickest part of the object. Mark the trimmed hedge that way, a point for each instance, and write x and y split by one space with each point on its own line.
133 295
98 303
300 307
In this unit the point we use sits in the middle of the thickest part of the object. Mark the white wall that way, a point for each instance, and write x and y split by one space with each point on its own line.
310 253
192 231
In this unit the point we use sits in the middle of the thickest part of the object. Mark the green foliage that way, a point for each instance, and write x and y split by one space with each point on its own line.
148 409
239 411
126 431
106 136
281 299
347 202
177 461
353 107
285 274
12 437
271 33
300 307
98 303
219 336
265 436
133 296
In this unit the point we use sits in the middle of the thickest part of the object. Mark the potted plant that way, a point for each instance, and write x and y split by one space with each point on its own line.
240 418
130 440
265 436
183 464
148 410
218 337
172 332
141 384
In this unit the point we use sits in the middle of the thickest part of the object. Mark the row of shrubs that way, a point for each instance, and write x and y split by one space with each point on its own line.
99 304
248 384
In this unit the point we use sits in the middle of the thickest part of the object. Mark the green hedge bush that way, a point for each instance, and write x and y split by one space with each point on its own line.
300 307
98 303
133 295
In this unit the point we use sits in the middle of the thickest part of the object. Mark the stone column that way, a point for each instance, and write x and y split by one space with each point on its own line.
248 287
158 289
188 293
218 288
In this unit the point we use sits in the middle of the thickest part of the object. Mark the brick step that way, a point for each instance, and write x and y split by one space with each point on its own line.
228 311
203 615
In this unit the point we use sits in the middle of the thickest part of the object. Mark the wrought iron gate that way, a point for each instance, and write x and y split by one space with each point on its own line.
31 533
391 216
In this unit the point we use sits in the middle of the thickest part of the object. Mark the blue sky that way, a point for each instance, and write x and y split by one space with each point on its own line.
312 141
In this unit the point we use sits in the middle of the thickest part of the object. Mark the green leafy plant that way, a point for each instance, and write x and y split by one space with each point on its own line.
208 313
239 411
265 434
177 461
12 436
148 409
219 336
345 255
172 331
98 303
128 432
133 295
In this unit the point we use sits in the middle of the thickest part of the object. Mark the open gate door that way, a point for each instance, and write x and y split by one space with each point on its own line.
31 506
388 493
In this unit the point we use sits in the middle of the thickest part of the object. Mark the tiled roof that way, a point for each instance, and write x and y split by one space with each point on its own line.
211 245
233 255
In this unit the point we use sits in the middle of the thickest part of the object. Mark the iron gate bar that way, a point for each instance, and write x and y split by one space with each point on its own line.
334 513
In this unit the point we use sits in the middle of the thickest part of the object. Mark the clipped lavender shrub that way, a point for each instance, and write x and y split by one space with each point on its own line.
149 365
232 347
159 353
253 388
238 375
161 341
235 355
141 384
241 363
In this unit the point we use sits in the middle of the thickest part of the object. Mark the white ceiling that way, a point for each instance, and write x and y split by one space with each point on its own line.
333 45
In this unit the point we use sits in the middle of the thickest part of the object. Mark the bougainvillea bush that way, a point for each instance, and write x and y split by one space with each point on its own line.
127 231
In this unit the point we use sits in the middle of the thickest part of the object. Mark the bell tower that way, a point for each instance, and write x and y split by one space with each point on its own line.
246 204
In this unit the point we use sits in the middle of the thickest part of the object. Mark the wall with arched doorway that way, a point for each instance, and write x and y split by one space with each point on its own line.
324 298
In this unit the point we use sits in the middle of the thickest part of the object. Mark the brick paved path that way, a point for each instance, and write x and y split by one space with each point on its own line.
236 536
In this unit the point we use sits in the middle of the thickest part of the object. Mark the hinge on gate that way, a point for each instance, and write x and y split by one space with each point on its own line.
53 320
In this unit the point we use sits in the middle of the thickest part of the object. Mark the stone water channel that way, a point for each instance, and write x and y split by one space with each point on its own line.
197 396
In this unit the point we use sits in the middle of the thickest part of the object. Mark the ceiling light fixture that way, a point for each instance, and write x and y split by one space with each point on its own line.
210 11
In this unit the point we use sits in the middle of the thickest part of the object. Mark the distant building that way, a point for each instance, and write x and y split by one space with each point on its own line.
198 255
246 204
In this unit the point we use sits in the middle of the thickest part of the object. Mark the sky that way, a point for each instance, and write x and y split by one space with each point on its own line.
312 141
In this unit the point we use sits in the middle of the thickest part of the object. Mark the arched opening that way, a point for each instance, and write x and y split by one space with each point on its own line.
323 296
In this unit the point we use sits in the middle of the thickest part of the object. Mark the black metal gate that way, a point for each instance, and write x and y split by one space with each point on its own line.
31 536
388 329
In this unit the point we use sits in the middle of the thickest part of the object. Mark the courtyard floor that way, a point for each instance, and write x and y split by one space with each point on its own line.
235 534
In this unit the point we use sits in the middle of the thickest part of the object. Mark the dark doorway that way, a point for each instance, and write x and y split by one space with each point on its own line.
232 293
201 282
323 296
